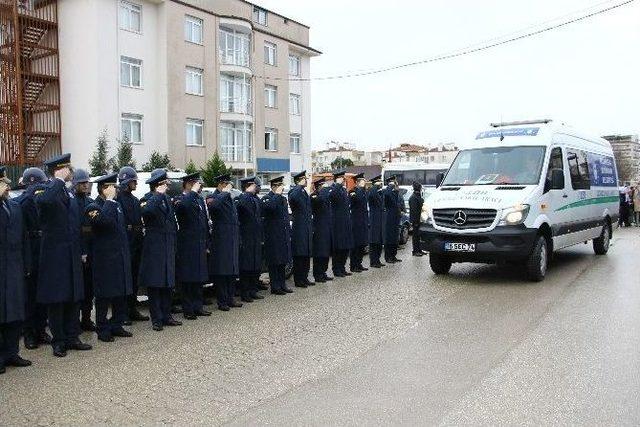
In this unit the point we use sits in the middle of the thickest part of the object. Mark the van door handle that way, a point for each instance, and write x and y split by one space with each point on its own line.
564 196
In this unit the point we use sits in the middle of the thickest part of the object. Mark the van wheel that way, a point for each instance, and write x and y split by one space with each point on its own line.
440 264
601 244
538 260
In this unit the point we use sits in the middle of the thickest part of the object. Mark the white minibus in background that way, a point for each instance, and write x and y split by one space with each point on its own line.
520 191
408 172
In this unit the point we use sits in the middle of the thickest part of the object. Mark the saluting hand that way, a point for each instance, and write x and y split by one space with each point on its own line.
162 189
110 192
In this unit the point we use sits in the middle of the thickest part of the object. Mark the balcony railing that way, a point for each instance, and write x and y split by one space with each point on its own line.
236 105
238 154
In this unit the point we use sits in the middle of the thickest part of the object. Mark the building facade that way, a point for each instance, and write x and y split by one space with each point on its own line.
626 150
189 78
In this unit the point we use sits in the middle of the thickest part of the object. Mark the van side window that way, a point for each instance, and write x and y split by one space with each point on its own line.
579 170
555 162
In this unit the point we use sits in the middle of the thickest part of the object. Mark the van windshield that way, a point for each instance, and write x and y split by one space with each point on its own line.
497 166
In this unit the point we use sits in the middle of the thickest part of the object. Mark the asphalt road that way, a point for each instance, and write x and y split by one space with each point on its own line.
392 346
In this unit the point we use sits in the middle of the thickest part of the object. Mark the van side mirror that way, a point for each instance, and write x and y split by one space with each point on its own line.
439 179
557 179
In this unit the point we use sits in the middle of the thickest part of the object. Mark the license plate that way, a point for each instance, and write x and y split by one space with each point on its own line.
459 247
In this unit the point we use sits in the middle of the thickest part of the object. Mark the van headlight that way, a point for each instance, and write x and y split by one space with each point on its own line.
425 215
514 215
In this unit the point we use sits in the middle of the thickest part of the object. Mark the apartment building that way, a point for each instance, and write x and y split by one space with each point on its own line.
189 78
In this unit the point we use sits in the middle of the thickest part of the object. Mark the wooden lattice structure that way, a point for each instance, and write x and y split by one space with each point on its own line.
30 87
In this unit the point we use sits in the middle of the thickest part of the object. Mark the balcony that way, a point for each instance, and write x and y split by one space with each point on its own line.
237 154
235 49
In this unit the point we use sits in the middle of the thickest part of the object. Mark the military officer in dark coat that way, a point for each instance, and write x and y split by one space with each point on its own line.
376 222
277 239
35 314
128 180
225 243
12 270
82 192
301 229
110 260
393 205
60 284
359 224
322 229
342 231
415 210
249 210
193 240
157 264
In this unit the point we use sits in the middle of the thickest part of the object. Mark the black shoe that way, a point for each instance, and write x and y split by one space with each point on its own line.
172 322
327 278
288 290
397 260
310 283
202 313
2 369
18 362
59 351
321 280
157 327
417 254
207 301
88 326
346 273
44 338
176 309
390 261
363 268
127 322
278 292
300 285
106 338
120 332
257 296
339 275
136 316
235 304
263 287
79 345
247 299
31 342
190 316
377 265
223 308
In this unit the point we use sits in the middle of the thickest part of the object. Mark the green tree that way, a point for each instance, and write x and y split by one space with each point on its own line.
340 163
191 168
99 162
157 161
124 155
213 167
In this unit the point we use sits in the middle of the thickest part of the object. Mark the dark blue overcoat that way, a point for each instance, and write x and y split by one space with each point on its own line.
110 258
193 238
225 235
133 218
302 227
393 206
60 270
322 228
83 201
376 215
359 217
341 208
157 265
249 210
277 229
31 226
12 270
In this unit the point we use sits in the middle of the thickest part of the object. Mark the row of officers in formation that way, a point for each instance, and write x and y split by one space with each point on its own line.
61 251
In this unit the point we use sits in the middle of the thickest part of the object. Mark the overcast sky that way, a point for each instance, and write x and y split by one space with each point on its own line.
586 74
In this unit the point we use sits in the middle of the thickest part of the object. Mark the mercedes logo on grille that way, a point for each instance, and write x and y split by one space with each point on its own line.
459 218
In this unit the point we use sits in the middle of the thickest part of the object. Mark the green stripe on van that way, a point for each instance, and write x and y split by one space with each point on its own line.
591 201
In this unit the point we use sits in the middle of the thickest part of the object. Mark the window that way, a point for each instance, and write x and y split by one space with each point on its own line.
235 141
579 170
555 162
193 77
294 104
270 52
294 141
193 29
130 17
235 47
271 139
131 128
194 132
270 96
260 16
294 65
130 72
235 94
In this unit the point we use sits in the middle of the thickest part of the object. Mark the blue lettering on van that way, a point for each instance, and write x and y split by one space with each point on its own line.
602 170
496 133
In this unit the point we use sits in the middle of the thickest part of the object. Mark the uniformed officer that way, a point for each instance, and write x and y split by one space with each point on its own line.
322 229
251 237
193 240
301 229
277 239
12 298
225 243
35 323
376 222
110 260
60 284
128 180
415 210
82 192
393 205
359 223
342 232
157 264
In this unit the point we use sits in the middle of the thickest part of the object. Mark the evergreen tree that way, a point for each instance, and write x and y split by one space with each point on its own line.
213 167
191 168
157 161
340 163
99 163
124 155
